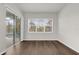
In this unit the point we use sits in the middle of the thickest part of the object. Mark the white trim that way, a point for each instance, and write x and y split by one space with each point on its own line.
44 27
40 39
8 8
40 32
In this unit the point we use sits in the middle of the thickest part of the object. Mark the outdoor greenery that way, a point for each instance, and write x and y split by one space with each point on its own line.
40 25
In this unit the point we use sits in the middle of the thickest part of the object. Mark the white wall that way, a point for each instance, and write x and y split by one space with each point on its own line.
44 36
69 26
4 43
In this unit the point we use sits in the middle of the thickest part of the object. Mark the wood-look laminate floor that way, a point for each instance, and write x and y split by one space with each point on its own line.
39 48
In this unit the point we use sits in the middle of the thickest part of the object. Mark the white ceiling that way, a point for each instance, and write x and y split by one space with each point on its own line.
41 7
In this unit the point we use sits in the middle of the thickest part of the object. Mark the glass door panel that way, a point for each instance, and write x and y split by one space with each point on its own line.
9 27
18 24
12 27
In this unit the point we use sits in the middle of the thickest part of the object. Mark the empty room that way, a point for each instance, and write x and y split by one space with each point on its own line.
39 28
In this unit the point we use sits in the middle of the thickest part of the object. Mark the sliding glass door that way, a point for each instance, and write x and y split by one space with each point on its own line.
12 27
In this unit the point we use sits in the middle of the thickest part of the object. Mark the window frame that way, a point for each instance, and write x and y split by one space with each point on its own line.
44 26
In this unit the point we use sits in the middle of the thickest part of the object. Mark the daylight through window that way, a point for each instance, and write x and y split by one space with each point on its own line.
40 25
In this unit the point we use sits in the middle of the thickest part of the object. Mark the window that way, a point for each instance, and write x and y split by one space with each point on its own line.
40 25
12 25
9 20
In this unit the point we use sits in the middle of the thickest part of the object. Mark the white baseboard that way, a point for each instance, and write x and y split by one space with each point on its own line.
68 45
22 40
39 39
